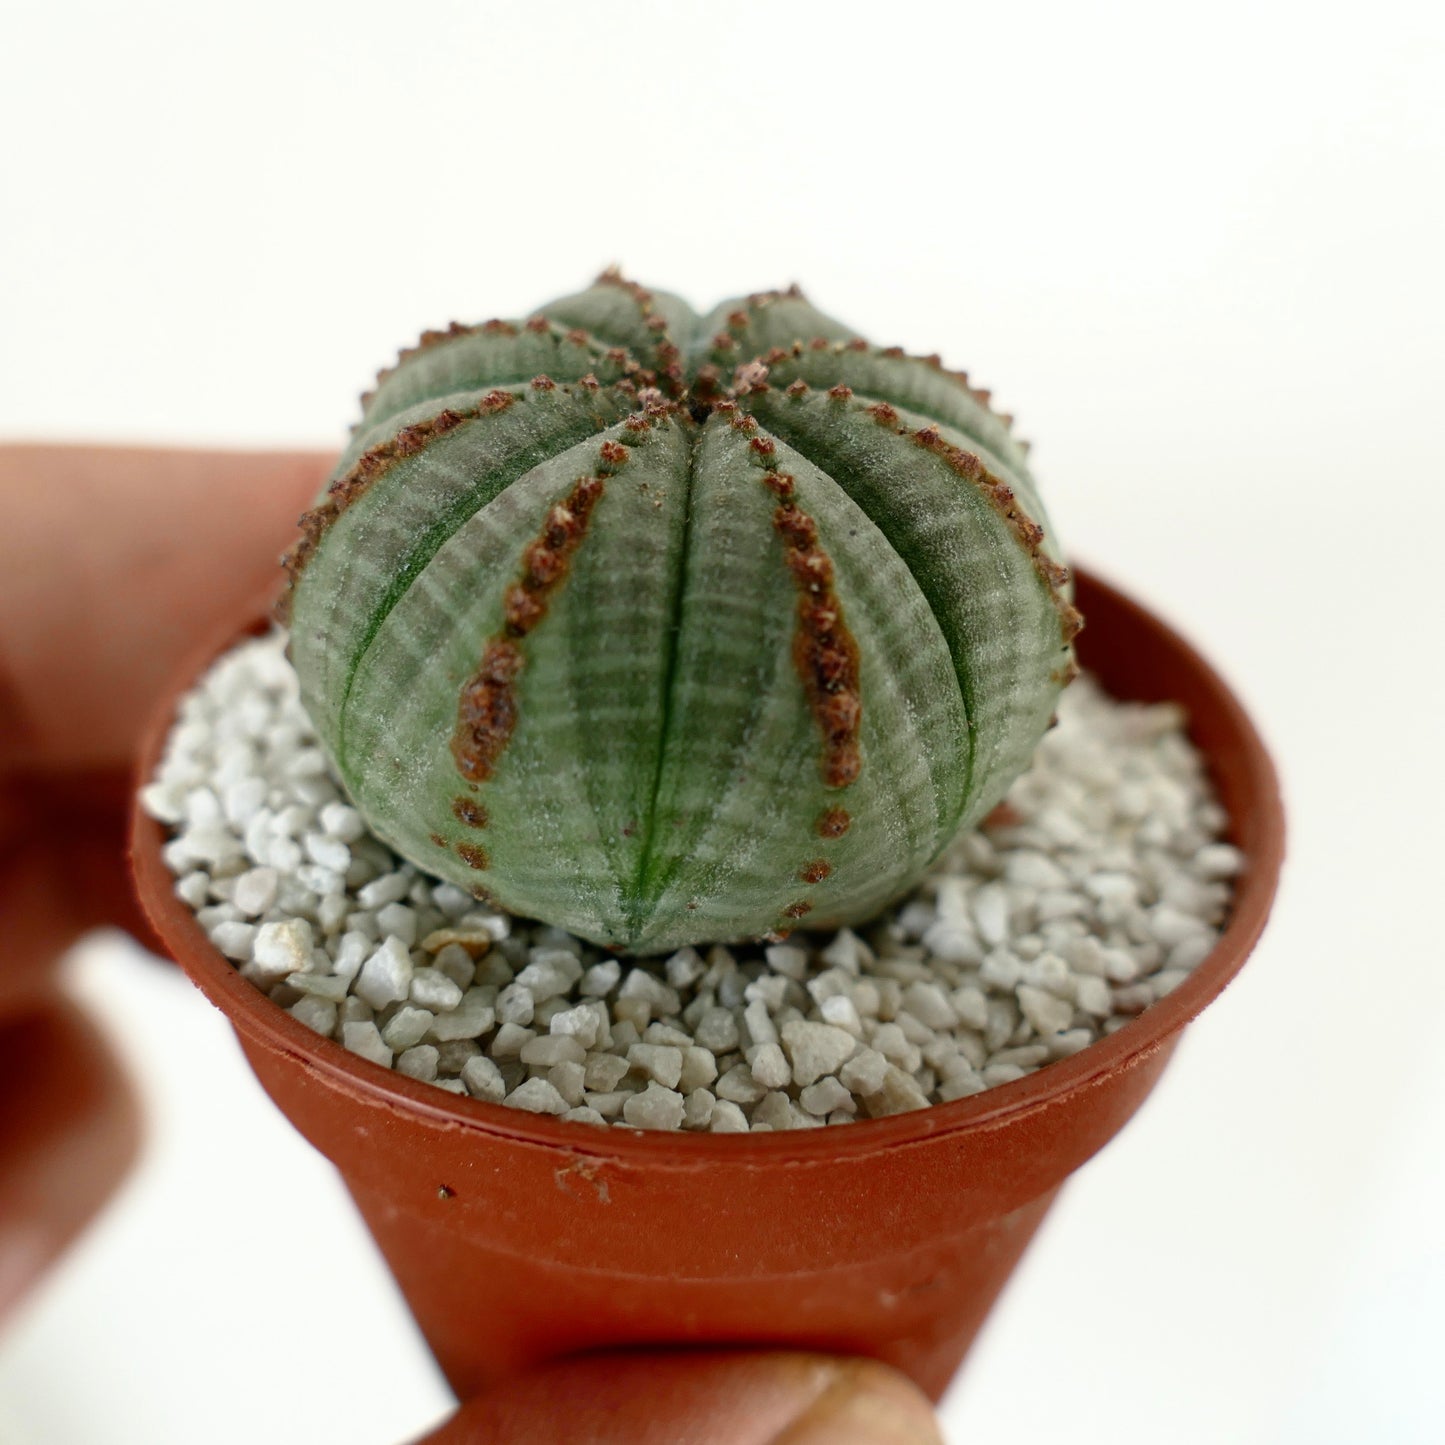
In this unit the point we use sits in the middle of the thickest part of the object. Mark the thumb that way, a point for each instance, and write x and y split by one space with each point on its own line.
705 1398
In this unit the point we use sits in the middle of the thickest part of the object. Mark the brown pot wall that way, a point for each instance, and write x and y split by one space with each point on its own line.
517 1238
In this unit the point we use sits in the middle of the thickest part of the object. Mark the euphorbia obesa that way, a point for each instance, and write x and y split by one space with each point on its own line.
671 629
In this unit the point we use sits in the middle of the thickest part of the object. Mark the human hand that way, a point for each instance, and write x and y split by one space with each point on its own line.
116 564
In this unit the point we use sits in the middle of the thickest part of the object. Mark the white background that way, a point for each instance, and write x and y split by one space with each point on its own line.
1196 249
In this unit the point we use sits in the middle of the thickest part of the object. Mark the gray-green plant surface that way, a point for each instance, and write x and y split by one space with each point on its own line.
671 629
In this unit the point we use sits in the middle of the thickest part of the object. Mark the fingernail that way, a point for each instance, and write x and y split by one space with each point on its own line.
866 1405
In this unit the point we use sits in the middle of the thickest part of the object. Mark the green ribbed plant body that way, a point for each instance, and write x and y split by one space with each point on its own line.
671 629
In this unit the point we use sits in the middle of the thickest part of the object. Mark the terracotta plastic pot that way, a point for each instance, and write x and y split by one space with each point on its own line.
517 1238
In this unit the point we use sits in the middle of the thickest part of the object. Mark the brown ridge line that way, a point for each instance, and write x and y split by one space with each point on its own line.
1001 496
671 376
894 353
365 470
487 702
824 651
495 327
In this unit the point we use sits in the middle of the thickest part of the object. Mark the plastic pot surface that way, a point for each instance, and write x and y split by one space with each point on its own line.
517 1238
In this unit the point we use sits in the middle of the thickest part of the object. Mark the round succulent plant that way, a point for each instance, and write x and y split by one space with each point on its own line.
671 629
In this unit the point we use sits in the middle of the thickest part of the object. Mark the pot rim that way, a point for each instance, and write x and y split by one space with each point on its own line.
263 1023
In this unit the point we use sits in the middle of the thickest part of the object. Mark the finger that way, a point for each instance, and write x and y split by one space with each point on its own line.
69 1130
700 1398
63 871
115 564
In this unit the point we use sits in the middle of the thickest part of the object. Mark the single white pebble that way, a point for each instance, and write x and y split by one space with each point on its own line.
951 943
697 1108
825 1096
364 1039
990 913
432 989
1093 996
329 852
319 985
537 1096
316 1013
727 1118
1048 1013
483 1079
737 1086
1191 952
399 921
568 1078
661 1062
846 951
1002 1074
509 1040
243 799
684 968
282 948
386 976
547 1050
256 890
584 1115
654 1108
406 1027
234 940
1218 860
419 1062
816 1049
1167 980
971 1006
787 960
1120 966
580 1023
864 1073
769 1066
389 888
1070 1042
760 1025
929 1005
1001 970
717 1030
331 912
842 1013
515 1004
699 1068
776 1112
604 1072
343 822
899 1094
600 979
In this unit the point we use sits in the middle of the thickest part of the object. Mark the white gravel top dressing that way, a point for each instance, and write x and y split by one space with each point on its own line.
1091 893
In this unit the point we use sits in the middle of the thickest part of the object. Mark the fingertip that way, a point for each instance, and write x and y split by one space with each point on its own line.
703 1398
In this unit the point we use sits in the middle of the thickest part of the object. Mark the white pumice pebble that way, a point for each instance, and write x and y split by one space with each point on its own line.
1091 895
816 1049
655 1108
419 1062
365 1039
386 975
406 1027
1047 1012
825 1096
483 1079
234 940
316 1013
769 1066
283 947
537 1096
433 989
